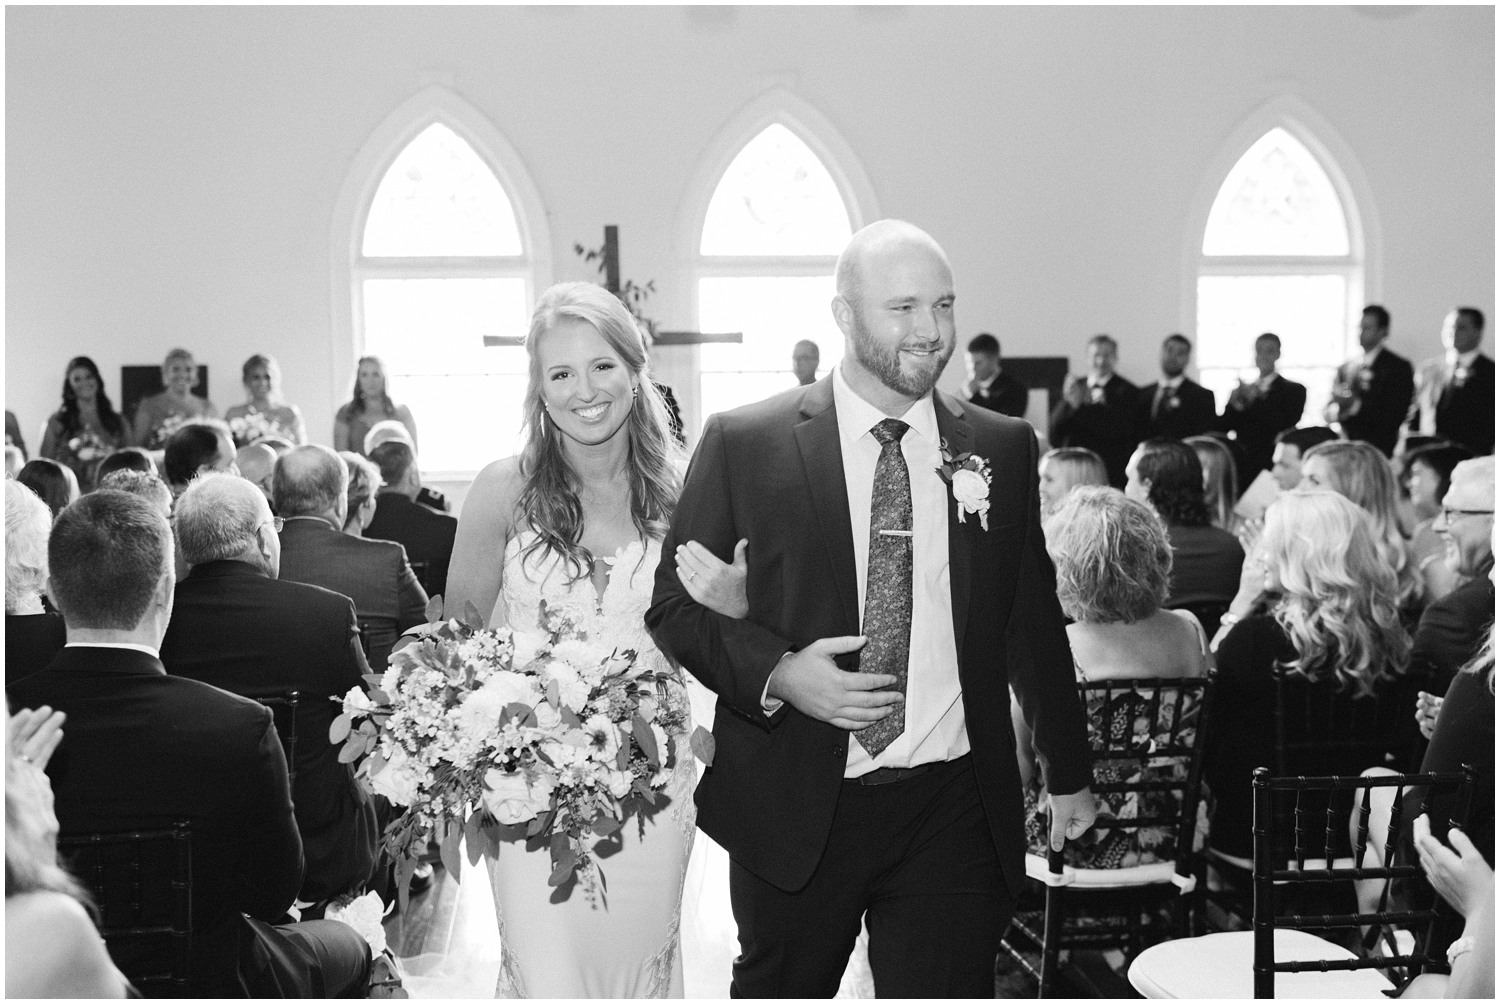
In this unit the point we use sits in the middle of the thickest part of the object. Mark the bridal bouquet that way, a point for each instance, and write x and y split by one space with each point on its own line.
166 427
254 426
557 745
87 446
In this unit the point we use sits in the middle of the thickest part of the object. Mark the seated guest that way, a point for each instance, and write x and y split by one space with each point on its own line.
1113 563
1291 446
309 489
1362 474
1335 629
148 486
33 635
51 946
256 463
53 483
385 432
145 750
236 626
1062 470
1165 474
131 458
160 415
364 484
277 444
988 385
1452 628
426 535
1426 471
1221 487
193 450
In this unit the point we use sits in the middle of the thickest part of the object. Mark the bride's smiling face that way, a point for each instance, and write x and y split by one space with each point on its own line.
587 388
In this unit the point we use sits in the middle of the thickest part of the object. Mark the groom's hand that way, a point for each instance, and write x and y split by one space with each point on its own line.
1071 815
810 682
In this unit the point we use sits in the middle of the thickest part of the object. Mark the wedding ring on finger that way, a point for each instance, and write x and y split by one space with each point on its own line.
26 758
689 576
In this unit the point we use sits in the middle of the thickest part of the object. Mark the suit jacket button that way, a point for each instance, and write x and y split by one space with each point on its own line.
838 751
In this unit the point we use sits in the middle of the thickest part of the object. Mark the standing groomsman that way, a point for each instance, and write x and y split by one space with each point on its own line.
1100 412
1176 407
1257 412
1455 395
1372 392
988 385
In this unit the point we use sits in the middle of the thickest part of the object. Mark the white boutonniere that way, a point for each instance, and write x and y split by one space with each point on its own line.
969 476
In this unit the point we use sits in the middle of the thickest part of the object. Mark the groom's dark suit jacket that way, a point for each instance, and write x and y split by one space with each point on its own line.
773 472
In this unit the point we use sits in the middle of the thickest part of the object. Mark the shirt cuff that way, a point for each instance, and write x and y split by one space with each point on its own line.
768 704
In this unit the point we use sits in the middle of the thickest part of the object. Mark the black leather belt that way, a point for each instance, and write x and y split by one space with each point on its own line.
885 775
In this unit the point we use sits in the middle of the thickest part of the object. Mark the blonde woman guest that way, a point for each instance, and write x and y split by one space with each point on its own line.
1063 469
33 635
364 485
1334 628
86 428
1114 563
1362 474
1221 484
370 403
160 415
52 948
266 413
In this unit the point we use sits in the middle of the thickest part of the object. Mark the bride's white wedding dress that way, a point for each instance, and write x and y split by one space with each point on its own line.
627 944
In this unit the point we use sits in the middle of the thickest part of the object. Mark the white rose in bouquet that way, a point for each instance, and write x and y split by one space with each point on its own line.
357 702
619 783
512 688
399 780
513 798
584 656
478 718
970 488
547 717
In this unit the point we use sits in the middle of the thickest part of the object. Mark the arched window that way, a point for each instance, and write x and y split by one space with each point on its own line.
1280 254
771 235
434 239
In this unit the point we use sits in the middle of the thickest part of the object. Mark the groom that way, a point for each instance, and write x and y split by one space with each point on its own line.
865 761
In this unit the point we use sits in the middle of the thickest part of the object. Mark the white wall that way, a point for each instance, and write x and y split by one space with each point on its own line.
171 173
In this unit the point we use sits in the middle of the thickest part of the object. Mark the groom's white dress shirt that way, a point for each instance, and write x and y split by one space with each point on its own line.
935 728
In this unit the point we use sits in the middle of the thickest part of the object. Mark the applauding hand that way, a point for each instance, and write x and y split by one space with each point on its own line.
35 733
1459 878
813 684
711 582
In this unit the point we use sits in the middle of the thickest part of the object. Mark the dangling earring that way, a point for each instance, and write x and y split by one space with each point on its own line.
635 391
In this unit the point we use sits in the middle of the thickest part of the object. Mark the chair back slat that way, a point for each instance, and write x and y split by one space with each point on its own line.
284 716
1316 797
142 882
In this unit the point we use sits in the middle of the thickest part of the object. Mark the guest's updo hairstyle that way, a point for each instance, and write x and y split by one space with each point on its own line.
1338 593
1113 559
549 501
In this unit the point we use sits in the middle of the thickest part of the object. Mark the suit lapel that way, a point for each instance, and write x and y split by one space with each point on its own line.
956 432
823 470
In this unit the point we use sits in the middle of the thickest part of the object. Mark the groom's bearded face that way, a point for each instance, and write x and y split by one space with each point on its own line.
910 364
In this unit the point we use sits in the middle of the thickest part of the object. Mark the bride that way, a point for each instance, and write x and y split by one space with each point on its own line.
577 521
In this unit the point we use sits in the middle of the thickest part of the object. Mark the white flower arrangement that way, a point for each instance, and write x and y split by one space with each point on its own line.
558 746
256 425
968 475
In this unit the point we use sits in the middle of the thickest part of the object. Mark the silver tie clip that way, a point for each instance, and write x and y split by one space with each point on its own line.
895 533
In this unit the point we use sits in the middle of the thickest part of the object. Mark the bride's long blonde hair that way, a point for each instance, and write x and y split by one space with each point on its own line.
549 500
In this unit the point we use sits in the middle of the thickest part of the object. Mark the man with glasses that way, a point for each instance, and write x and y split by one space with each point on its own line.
1453 627
235 625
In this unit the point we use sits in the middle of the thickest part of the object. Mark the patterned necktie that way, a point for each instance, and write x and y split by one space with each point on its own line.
887 624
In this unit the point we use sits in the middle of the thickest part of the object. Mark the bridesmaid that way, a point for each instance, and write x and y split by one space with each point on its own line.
160 415
86 428
371 403
265 413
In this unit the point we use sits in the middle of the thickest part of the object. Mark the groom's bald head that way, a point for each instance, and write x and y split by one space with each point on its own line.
883 237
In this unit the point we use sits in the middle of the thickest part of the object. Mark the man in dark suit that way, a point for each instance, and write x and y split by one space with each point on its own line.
1372 392
1176 407
427 535
1455 395
310 489
1453 627
144 750
1258 411
989 386
1100 412
385 432
916 822
236 626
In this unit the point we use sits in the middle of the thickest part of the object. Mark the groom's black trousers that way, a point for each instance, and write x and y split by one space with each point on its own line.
918 856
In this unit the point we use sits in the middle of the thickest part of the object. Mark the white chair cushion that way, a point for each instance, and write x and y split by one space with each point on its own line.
1103 878
1219 966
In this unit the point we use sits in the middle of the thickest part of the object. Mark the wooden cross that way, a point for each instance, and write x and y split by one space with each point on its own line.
610 266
